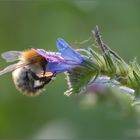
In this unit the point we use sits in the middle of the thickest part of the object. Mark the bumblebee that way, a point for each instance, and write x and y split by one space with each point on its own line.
29 74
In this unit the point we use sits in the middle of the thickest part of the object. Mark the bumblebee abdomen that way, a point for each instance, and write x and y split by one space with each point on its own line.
24 82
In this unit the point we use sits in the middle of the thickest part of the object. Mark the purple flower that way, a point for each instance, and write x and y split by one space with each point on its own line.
68 53
65 60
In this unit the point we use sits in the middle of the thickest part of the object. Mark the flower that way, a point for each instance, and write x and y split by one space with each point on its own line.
65 60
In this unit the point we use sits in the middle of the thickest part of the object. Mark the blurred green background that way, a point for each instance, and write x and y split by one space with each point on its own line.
38 23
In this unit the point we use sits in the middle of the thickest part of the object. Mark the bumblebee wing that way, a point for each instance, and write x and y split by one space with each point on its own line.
11 56
12 68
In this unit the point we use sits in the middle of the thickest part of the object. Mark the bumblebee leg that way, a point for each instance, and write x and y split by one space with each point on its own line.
43 84
35 77
40 86
43 80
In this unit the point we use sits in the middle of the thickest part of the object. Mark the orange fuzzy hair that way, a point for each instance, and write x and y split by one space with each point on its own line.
32 56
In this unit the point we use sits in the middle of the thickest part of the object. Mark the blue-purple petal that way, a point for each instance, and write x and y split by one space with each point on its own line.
41 52
68 53
50 56
56 67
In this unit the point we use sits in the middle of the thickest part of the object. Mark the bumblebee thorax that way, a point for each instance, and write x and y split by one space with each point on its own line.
32 56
